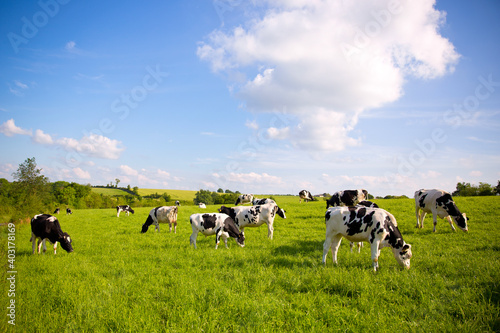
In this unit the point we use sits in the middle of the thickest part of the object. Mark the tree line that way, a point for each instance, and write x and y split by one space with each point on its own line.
32 193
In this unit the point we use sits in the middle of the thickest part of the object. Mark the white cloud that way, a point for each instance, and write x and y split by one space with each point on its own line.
9 128
128 170
162 174
20 84
325 62
42 138
70 46
81 173
250 178
252 124
476 173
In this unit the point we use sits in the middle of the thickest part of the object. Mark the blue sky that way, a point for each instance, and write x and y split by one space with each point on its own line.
268 96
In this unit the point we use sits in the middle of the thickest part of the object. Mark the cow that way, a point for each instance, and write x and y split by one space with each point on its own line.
439 203
305 195
254 216
220 225
348 198
243 199
56 211
162 214
68 211
257 201
358 224
368 204
202 205
45 226
177 203
124 208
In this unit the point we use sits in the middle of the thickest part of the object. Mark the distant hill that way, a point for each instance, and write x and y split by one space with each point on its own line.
184 195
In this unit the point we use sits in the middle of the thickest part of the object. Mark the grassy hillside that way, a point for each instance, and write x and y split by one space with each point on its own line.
118 279
108 191
175 194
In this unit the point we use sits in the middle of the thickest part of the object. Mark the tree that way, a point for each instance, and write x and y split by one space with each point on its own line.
31 189
117 182
135 190
497 188
220 190
203 196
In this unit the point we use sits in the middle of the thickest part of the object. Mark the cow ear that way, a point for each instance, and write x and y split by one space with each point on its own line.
406 247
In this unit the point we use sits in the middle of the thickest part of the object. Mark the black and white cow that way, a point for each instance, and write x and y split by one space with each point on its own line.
439 203
220 225
177 203
56 211
305 195
243 199
362 224
45 226
68 211
368 204
254 216
348 198
124 208
257 201
162 214
202 205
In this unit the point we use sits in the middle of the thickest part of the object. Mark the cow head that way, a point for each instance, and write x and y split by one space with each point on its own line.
403 255
461 221
281 212
130 210
65 241
241 240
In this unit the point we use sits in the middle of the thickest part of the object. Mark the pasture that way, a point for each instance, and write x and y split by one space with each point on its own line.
118 279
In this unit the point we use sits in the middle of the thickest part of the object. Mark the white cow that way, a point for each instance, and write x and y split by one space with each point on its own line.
254 216
243 199
220 225
439 203
163 214
363 224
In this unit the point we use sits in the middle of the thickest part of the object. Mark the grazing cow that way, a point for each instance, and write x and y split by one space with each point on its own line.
45 226
163 214
220 225
368 204
306 195
243 199
68 211
177 203
202 205
348 198
358 224
124 208
254 216
264 201
57 211
439 203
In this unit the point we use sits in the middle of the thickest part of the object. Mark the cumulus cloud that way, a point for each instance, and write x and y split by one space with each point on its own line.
326 62
81 173
250 178
92 145
128 170
9 128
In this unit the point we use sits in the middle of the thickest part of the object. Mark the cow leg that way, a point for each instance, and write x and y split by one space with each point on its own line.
169 226
434 218
451 223
360 245
157 226
175 227
192 239
417 213
270 230
33 242
351 245
40 244
217 238
375 254
55 247
331 243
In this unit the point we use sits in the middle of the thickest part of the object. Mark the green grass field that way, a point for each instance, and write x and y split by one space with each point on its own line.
184 195
118 279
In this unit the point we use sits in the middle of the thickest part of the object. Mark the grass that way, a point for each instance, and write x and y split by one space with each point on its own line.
108 191
120 280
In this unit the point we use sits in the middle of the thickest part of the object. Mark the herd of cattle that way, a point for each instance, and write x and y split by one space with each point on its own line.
348 215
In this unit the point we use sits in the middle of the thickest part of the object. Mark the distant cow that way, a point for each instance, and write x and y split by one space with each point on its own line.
124 208
257 201
163 214
243 199
177 203
57 211
220 225
358 224
68 211
202 205
254 216
348 198
305 195
45 226
439 203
